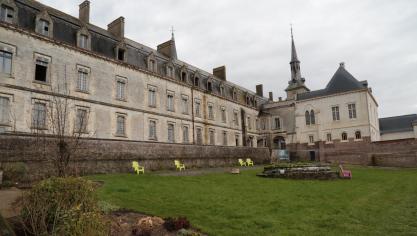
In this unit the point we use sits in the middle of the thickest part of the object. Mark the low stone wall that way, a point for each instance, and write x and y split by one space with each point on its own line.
112 156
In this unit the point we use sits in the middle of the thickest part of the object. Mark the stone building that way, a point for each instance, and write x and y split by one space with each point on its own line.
129 91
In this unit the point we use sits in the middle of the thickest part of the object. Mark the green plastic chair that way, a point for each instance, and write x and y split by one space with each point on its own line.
249 162
137 168
241 162
179 166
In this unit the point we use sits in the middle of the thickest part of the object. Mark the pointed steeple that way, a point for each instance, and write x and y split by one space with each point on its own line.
294 57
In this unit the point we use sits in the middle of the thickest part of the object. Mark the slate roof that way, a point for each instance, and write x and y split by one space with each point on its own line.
397 123
342 81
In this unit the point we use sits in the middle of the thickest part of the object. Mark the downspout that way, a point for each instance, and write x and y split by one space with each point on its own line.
192 113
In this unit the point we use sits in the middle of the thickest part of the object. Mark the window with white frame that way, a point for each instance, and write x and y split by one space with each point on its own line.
236 118
312 117
307 117
152 65
171 133
81 120
328 137
170 101
211 138
152 130
121 125
335 113
310 139
184 104
152 96
277 123
4 110
6 62
197 108
170 71
210 111
344 136
223 112
358 135
352 110
199 134
224 138
83 41
41 69
120 89
7 14
39 115
82 81
185 134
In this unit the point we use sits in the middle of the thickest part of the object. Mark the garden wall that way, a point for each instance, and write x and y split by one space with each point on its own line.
112 156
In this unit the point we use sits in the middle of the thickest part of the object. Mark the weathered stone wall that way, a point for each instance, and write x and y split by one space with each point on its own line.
114 156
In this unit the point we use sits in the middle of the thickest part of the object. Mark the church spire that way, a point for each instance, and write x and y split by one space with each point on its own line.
294 57
294 63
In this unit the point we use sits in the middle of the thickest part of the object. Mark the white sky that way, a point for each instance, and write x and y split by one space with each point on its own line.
377 39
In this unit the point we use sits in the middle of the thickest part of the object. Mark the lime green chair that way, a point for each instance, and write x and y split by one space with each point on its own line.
137 168
241 162
249 162
180 166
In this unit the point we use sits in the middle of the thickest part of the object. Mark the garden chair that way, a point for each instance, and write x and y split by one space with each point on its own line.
346 174
249 162
241 162
179 166
137 168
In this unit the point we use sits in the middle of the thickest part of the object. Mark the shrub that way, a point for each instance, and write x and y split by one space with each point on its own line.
173 224
15 172
107 207
186 232
5 229
62 206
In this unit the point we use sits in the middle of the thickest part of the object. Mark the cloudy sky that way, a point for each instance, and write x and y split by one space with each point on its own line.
376 39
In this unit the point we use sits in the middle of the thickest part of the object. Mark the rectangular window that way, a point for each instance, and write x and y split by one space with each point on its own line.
83 41
210 111
212 142
335 113
277 123
170 71
6 62
184 105
236 118
263 124
249 122
39 115
152 97
120 89
4 110
352 110
41 70
121 125
171 133
152 130
81 121
197 108
199 136
329 137
224 138
222 91
44 27
223 111
121 54
311 139
170 102
82 82
6 14
185 136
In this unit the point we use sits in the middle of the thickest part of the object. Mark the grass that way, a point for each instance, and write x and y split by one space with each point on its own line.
375 202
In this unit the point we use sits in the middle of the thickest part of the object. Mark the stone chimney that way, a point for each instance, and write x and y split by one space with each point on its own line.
117 27
260 90
342 64
271 97
84 13
220 72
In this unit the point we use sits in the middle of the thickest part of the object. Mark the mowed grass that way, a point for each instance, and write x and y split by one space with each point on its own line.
375 202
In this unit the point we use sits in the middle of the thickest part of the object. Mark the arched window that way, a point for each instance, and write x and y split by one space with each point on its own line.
358 135
307 118
312 117
344 136
196 81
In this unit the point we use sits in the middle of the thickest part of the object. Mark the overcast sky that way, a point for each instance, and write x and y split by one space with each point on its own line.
376 39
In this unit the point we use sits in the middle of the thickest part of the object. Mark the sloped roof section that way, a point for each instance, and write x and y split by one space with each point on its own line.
342 81
397 124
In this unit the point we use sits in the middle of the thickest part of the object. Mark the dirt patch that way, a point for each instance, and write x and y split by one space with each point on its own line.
7 198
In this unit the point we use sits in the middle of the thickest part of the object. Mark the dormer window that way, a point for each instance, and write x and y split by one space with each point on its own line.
121 54
83 38
44 24
196 81
170 71
44 27
222 90
7 14
234 94
209 86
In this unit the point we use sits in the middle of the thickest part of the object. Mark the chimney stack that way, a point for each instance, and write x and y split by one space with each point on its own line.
220 72
271 97
84 13
117 27
260 90
342 64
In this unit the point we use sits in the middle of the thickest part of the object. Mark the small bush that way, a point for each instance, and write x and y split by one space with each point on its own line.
15 172
186 232
62 206
107 207
173 224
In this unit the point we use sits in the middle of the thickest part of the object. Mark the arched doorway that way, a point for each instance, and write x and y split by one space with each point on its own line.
279 143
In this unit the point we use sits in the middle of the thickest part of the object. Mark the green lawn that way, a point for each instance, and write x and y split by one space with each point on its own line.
375 202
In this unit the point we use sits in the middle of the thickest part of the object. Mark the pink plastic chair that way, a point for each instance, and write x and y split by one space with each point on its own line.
347 174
